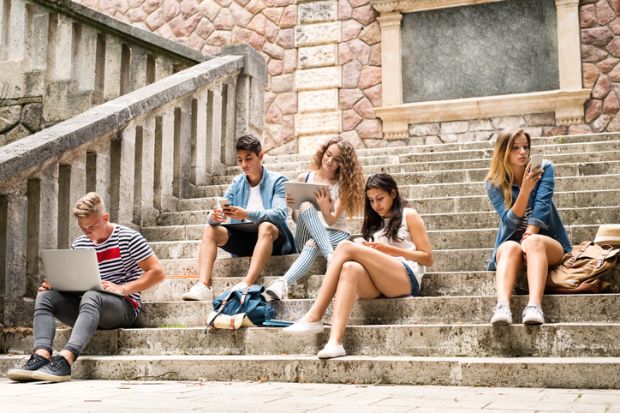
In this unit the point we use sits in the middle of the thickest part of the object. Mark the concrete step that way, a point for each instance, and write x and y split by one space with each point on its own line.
474 340
595 308
473 203
375 164
445 189
537 143
560 372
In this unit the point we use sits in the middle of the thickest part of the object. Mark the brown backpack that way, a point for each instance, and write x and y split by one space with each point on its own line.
581 269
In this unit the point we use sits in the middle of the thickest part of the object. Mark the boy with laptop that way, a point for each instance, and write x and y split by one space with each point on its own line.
257 195
127 265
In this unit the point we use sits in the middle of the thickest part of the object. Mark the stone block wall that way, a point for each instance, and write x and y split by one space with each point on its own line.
19 118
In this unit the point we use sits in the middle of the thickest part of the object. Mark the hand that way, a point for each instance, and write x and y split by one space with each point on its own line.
324 199
113 288
217 215
44 286
379 246
530 178
236 213
290 201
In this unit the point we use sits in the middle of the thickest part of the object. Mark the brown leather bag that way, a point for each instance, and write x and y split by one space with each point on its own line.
581 269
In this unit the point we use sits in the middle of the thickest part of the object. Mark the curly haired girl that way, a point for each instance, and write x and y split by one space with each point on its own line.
334 164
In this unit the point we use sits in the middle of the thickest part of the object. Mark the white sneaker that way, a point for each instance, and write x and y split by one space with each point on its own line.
533 315
502 315
198 292
239 286
278 290
303 327
331 350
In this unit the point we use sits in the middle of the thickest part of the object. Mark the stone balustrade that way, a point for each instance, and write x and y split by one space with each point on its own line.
142 152
59 58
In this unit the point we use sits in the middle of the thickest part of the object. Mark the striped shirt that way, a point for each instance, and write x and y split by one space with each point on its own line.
118 257
523 224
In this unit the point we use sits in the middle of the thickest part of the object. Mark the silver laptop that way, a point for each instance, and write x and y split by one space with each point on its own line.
72 270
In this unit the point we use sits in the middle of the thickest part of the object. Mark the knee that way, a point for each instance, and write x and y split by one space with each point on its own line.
46 298
344 246
92 298
305 206
509 250
311 243
268 230
351 271
533 243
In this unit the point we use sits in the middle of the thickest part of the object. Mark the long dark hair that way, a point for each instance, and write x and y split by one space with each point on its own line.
373 222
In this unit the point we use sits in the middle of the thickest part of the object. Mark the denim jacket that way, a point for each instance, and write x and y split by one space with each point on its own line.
274 203
544 214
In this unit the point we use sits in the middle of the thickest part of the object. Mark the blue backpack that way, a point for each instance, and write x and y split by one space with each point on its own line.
249 301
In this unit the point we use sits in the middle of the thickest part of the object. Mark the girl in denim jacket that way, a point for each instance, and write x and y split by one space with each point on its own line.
531 235
320 230
389 261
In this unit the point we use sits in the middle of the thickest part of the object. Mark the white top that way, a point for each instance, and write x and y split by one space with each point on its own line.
255 202
341 223
406 243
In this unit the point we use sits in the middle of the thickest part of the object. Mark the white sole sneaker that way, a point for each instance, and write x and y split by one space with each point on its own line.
303 328
331 351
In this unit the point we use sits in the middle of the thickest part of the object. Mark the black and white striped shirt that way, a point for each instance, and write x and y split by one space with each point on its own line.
118 257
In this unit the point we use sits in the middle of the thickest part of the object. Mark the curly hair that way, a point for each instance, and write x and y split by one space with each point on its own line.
349 175
373 222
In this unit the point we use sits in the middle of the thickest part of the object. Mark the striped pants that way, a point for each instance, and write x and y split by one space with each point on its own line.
311 237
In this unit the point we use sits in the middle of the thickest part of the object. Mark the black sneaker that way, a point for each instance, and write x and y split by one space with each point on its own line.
57 370
24 373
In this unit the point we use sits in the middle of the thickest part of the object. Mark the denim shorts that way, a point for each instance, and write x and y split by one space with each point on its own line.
415 287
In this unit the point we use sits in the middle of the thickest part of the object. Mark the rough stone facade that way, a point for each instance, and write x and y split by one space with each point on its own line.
324 62
20 118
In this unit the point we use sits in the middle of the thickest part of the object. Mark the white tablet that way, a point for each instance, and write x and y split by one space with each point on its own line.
303 191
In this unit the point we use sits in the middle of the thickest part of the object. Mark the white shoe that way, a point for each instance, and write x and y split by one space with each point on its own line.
303 327
239 286
198 292
502 315
331 350
533 315
278 290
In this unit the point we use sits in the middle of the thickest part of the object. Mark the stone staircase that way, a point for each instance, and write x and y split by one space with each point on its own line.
441 338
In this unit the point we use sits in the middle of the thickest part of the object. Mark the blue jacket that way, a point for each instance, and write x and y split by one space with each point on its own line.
544 214
274 202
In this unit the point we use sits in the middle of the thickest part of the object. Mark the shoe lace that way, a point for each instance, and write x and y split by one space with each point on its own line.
57 363
34 359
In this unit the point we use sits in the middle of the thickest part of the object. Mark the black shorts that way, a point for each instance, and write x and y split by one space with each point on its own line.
242 243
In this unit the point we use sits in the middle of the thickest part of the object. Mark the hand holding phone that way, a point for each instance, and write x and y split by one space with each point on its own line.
224 205
535 161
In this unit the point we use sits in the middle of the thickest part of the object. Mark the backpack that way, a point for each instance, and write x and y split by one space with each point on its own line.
581 269
245 307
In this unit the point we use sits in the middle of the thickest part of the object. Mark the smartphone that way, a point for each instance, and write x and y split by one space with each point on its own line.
536 161
224 204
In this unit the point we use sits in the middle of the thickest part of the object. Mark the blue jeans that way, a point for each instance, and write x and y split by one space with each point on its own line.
84 312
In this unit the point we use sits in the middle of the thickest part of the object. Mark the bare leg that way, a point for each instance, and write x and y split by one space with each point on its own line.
267 234
509 261
542 251
212 237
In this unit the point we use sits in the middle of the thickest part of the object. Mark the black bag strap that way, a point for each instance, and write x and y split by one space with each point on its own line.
220 309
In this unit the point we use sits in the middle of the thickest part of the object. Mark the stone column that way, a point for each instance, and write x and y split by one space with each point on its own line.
182 148
77 190
3 33
137 70
40 33
214 125
126 178
18 32
242 126
199 131
85 59
112 81
391 58
569 57
148 212
163 68
163 193
102 183
48 225
318 78
62 51
229 137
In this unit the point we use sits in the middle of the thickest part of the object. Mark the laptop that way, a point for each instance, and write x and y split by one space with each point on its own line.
72 270
245 226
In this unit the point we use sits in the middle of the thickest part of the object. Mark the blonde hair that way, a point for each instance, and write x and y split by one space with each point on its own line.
349 175
88 205
500 174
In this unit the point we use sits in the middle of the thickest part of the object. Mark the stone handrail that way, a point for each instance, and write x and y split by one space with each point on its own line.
142 152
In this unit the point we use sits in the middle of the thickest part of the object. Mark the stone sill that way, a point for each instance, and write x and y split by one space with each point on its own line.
567 105
410 6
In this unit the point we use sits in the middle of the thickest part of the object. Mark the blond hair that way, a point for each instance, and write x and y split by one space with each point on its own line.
349 175
89 204
500 174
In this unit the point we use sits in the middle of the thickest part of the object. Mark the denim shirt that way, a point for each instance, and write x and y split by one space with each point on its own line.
274 202
544 214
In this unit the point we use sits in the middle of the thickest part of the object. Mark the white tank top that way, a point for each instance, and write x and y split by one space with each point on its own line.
405 243
341 223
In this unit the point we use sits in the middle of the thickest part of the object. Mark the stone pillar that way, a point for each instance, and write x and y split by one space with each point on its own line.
112 81
62 51
18 32
3 33
48 226
163 193
182 148
85 59
199 132
214 133
569 57
77 190
229 156
391 58
102 177
137 70
126 178
242 125
163 68
40 33
317 35
147 184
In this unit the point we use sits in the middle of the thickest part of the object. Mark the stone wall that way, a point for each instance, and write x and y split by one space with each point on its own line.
19 118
